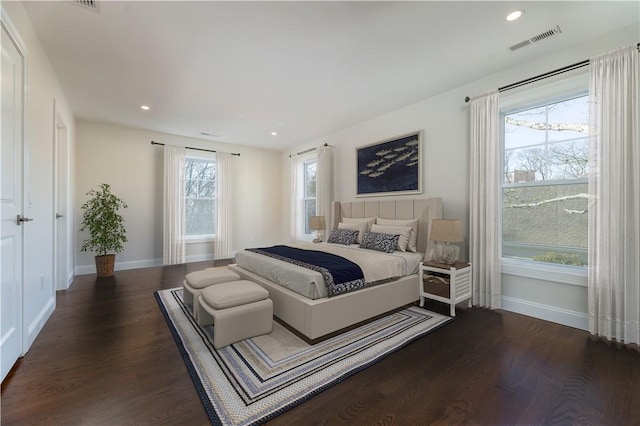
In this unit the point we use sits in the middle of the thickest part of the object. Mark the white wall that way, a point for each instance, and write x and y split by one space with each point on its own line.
444 119
43 88
124 158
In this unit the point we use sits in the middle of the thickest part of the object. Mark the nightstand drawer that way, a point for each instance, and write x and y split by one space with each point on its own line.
436 285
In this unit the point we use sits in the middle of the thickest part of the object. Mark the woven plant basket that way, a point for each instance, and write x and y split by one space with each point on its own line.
104 265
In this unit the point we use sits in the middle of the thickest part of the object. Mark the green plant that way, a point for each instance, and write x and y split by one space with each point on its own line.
561 258
104 223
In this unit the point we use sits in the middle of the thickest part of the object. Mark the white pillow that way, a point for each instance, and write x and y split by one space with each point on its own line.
403 231
370 221
360 227
413 223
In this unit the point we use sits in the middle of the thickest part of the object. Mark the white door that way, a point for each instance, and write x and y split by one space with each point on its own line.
11 200
61 179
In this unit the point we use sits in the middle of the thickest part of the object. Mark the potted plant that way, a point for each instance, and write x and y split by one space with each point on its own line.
106 228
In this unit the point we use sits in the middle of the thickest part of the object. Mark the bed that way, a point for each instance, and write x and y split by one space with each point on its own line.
315 316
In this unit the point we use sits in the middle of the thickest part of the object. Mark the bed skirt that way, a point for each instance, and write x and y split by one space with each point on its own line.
317 318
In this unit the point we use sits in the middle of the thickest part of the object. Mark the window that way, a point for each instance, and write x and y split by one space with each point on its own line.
200 197
544 189
309 194
303 195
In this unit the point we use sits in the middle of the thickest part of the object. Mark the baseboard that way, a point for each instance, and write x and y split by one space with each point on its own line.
545 312
120 266
38 323
67 283
137 264
199 258
205 257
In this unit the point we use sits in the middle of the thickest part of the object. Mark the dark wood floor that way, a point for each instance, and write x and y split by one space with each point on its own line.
106 357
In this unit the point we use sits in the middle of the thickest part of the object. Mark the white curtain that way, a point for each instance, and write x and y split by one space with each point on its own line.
295 199
174 222
224 229
324 183
485 248
614 196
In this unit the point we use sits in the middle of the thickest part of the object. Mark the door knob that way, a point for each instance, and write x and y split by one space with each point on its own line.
58 215
20 219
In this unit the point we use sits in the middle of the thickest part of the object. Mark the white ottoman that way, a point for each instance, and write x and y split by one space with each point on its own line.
238 310
196 281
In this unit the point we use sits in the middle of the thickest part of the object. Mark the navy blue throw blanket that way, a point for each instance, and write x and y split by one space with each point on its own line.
340 275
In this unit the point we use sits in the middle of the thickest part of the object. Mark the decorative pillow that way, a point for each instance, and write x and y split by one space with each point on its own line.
403 231
380 242
413 223
360 227
370 221
343 236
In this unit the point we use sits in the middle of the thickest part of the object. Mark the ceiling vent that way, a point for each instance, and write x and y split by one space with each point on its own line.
87 4
552 32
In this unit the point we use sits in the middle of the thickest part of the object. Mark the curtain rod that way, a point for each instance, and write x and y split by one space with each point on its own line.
196 149
307 150
558 71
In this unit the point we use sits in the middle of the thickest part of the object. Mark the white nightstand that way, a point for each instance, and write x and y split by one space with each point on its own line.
445 283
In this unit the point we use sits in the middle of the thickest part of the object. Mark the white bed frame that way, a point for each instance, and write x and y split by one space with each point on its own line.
317 318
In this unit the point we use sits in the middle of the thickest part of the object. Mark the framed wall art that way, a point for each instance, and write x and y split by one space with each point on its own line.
390 167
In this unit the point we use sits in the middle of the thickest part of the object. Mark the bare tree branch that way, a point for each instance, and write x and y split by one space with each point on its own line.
572 158
576 127
551 200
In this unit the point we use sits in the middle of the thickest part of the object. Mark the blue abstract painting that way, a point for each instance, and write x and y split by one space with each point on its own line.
391 167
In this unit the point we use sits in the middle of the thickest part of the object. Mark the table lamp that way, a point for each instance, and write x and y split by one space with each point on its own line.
317 223
445 233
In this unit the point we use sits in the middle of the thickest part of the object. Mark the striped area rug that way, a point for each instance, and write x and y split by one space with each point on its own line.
256 379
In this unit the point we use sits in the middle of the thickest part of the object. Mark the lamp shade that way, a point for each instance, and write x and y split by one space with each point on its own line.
446 230
316 223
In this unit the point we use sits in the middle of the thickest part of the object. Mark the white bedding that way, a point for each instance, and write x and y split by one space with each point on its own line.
376 266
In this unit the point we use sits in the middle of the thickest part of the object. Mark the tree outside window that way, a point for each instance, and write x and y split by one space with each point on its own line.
200 193
545 188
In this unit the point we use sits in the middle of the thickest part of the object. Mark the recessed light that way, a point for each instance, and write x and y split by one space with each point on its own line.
515 15
144 107
274 133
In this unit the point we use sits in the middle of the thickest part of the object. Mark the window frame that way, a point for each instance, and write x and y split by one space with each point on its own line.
202 238
570 88
301 196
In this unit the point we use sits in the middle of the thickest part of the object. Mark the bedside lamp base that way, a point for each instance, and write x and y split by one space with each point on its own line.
445 253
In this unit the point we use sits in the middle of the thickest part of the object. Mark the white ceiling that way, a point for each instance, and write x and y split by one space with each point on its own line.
241 70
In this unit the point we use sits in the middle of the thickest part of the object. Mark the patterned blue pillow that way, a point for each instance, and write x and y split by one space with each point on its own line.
343 236
380 242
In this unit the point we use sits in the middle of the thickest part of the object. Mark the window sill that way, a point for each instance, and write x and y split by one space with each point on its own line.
564 274
200 239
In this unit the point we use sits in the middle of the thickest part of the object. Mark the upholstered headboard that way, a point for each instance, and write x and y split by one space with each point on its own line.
425 209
